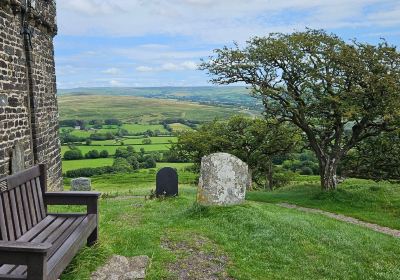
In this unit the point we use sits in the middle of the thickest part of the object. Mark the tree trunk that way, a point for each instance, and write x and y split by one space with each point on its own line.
328 173
250 181
269 176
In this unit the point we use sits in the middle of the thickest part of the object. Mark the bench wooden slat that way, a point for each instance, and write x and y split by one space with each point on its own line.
40 194
65 234
8 217
20 178
58 231
31 203
63 256
36 199
16 222
33 232
3 228
20 207
26 207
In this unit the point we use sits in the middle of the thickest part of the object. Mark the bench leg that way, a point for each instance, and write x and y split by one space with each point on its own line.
37 268
92 239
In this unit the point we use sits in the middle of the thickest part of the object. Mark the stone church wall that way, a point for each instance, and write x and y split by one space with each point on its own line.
28 103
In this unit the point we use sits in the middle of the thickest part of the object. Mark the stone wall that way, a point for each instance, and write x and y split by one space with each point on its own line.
28 103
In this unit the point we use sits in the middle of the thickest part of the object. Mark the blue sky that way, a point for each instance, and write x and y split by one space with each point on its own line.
145 43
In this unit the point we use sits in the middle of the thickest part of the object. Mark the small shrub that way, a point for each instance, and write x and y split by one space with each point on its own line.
73 154
305 170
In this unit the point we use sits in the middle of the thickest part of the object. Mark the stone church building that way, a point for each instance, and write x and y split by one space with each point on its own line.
28 102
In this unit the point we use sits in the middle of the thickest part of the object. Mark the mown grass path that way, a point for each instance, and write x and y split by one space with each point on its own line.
343 218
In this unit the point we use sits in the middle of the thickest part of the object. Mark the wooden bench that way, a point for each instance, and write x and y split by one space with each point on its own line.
36 245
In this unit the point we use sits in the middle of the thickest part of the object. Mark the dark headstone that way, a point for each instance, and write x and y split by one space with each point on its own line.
167 182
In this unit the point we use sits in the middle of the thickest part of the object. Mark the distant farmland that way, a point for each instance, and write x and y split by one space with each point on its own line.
137 109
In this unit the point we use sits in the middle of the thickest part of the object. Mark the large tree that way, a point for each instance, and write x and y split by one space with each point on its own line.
255 141
337 93
376 158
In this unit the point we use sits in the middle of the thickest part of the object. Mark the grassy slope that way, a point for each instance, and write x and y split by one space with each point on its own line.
262 241
130 109
366 200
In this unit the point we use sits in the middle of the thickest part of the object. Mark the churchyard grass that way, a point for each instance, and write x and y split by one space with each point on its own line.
261 240
376 202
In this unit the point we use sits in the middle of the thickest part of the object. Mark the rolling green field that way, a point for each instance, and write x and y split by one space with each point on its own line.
142 128
111 149
99 162
258 239
137 109
138 141
177 127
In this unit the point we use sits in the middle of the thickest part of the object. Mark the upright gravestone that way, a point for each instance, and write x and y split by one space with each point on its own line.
17 159
81 184
167 182
223 180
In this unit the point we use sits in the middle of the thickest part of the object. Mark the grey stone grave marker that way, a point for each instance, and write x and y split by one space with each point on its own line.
81 184
223 180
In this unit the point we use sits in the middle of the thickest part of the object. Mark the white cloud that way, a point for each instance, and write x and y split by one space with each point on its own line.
144 69
170 67
112 71
190 65
217 20
116 83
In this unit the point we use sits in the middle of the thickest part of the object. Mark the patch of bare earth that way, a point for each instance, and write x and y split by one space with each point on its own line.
350 220
197 259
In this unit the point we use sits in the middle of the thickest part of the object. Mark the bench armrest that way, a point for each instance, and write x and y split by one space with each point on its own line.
24 247
90 199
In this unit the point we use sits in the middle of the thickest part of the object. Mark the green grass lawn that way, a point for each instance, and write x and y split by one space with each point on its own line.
260 240
137 141
177 127
111 149
99 162
142 128
363 199
83 163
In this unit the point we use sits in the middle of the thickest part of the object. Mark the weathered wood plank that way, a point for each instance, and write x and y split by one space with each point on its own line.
8 216
33 232
31 203
36 200
63 256
20 178
26 207
61 239
14 211
40 195
20 207
3 228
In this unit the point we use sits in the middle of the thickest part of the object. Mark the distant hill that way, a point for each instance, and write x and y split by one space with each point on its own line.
219 96
133 109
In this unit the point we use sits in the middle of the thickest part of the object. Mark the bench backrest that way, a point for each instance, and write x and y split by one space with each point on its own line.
21 202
